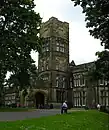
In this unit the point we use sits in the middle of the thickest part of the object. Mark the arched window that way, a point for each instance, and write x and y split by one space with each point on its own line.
57 81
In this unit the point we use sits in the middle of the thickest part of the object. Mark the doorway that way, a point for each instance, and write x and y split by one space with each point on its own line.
39 99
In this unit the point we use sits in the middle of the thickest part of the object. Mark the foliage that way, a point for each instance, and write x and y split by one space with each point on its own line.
22 79
92 73
19 35
97 18
36 80
99 70
31 94
24 92
102 64
95 73
82 120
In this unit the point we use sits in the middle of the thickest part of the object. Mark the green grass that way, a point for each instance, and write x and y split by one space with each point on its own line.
81 120
15 109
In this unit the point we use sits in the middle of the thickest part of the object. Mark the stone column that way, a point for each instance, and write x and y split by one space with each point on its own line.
52 95
45 99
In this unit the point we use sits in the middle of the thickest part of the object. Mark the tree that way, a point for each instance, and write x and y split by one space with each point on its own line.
92 77
102 64
22 79
97 18
19 35
99 71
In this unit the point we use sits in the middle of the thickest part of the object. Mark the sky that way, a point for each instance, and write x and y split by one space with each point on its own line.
82 46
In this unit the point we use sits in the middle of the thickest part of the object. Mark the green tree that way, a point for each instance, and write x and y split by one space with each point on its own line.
102 64
97 18
19 35
93 76
22 79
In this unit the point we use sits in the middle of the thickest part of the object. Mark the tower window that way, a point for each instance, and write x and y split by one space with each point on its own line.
57 81
42 68
47 67
62 45
45 78
62 68
44 50
71 84
63 82
57 48
57 67
101 81
47 44
57 43
62 49
47 49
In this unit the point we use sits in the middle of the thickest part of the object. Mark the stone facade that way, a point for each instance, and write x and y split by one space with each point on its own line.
64 80
85 92
54 59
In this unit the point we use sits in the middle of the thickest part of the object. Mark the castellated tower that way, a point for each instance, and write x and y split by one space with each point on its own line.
54 60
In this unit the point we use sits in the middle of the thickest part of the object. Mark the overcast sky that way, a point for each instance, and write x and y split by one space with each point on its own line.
82 45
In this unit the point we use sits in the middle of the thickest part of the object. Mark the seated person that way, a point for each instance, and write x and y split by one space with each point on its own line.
64 107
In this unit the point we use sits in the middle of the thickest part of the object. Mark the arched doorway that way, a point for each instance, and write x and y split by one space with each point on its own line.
39 99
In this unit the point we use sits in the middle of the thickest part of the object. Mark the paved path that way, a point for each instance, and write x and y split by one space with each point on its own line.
12 116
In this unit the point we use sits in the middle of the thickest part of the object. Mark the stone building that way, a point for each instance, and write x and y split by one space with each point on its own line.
62 80
86 92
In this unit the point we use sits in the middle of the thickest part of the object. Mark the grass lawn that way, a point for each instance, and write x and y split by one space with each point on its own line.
15 109
81 120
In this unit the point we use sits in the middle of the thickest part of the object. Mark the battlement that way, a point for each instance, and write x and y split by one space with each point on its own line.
54 20
55 27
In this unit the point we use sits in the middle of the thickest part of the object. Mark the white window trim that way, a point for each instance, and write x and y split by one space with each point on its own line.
47 49
57 43
57 48
100 82
57 82
63 82
57 67
62 49
47 66
74 83
71 85
42 69
61 44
